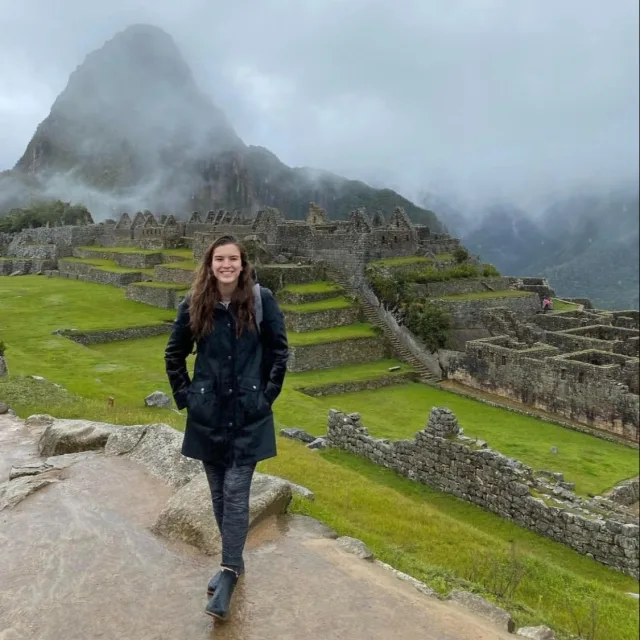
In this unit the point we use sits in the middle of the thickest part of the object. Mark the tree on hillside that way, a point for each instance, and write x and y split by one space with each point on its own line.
40 214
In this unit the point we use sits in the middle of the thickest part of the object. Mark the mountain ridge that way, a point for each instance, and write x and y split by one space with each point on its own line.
134 131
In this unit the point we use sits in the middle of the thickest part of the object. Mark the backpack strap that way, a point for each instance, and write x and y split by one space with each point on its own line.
257 301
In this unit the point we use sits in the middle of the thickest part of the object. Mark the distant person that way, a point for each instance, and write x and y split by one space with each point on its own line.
547 305
238 373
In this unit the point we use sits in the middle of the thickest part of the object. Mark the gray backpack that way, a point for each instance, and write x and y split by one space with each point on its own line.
257 301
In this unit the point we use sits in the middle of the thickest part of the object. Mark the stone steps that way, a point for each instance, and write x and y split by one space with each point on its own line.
371 315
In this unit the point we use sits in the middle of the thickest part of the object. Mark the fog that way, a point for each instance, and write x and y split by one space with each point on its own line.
476 101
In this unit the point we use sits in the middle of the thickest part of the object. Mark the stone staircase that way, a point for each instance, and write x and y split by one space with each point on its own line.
372 316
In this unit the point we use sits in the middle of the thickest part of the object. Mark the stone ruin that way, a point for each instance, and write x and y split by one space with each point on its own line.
344 244
580 364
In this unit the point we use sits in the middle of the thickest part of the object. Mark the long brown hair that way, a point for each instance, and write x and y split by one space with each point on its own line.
205 295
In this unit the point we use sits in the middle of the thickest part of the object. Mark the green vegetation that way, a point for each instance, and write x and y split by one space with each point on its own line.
562 305
489 271
106 265
162 285
127 250
399 412
430 322
187 265
313 287
339 302
401 261
460 255
349 373
40 214
433 536
483 295
335 334
445 257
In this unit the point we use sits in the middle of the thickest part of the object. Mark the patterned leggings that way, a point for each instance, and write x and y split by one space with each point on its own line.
230 488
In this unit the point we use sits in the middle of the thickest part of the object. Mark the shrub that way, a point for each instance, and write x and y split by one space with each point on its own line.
431 323
430 274
489 271
54 213
460 255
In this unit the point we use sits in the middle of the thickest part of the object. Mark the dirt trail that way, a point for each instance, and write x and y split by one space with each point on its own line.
78 561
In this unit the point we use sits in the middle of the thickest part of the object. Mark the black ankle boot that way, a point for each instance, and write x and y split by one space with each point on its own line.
213 583
218 606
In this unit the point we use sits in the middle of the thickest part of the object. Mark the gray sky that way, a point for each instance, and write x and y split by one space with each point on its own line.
482 98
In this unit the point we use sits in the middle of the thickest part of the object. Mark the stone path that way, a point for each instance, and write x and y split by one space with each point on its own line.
78 561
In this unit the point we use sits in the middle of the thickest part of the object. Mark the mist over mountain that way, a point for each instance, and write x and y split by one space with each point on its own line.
585 244
132 131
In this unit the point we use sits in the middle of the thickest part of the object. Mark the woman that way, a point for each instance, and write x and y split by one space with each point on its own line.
238 373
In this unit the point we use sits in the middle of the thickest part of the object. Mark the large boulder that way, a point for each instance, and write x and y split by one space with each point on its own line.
188 515
157 447
72 436
478 605
158 399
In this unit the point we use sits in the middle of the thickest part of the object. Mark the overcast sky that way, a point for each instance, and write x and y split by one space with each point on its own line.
481 98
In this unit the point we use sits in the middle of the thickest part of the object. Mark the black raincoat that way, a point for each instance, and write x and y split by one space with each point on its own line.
235 382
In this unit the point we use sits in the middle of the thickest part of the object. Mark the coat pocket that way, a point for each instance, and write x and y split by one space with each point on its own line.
251 399
202 402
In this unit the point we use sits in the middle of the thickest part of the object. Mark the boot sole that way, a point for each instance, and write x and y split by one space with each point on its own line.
216 616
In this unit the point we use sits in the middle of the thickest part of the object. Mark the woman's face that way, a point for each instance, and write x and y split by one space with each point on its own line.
227 264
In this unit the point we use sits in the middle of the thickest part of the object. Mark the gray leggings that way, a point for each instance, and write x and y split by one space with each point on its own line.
230 488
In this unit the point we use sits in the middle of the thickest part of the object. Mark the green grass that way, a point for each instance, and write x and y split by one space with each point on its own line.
561 305
430 535
484 295
312 287
339 302
347 373
106 265
187 265
162 285
335 334
399 412
403 260
187 254
145 252
444 257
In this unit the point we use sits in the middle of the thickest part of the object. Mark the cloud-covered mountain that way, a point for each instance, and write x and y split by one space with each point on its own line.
132 130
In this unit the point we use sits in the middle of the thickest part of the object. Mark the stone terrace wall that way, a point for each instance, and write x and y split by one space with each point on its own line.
301 322
24 266
598 395
163 297
441 457
335 354
111 335
467 285
469 314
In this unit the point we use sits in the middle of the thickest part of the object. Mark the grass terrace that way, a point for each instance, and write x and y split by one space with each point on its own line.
313 287
562 305
484 295
402 260
161 285
187 265
186 253
350 373
444 257
106 265
339 302
399 412
335 334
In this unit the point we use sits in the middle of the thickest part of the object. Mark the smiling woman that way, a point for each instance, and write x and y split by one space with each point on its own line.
238 374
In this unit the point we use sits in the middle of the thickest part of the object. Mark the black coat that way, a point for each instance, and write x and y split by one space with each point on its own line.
235 382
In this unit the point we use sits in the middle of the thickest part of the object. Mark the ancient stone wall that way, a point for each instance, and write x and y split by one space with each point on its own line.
469 314
467 285
593 387
111 335
24 266
441 457
316 320
334 354
173 275
163 297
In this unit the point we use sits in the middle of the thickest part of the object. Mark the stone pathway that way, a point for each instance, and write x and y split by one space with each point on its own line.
78 561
